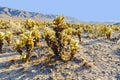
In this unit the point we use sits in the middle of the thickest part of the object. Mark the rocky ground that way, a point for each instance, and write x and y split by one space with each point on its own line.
97 59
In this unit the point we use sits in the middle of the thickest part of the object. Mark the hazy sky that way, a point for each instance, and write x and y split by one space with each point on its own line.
85 10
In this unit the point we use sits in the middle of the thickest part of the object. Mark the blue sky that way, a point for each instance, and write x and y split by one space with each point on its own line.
85 10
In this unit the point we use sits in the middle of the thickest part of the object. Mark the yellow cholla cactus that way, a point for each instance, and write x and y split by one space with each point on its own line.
65 56
108 32
22 30
8 36
73 46
1 40
30 42
35 27
59 20
2 36
23 56
48 32
17 44
66 38
36 34
68 31
79 30
23 39
27 33
29 23
54 40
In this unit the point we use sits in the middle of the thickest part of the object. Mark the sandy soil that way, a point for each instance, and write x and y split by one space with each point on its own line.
102 59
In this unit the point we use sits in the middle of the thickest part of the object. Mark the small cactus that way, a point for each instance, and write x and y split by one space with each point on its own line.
1 40
108 33
29 47
73 47
29 23
36 35
18 46
8 37
78 32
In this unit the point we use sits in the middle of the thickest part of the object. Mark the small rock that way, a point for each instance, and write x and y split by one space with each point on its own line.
33 71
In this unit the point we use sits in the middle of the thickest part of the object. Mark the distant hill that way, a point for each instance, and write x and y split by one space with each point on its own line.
117 24
9 13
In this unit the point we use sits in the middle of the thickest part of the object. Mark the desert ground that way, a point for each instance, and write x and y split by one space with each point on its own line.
101 55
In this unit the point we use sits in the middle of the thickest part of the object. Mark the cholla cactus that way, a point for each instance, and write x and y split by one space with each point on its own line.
29 47
49 36
59 28
8 37
48 32
78 32
59 39
58 21
59 25
69 31
30 44
1 40
28 33
18 46
73 47
23 56
65 55
2 36
23 39
87 28
29 23
108 32
36 35
66 39
22 30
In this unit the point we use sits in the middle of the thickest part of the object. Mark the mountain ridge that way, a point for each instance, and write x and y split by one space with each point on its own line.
10 13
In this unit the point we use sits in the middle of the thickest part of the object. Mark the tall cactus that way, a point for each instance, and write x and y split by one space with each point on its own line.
59 28
59 39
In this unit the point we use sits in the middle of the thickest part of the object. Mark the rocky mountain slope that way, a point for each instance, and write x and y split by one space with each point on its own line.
9 13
